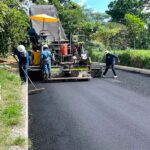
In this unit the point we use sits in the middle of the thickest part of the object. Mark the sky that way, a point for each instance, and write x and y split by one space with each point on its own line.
96 5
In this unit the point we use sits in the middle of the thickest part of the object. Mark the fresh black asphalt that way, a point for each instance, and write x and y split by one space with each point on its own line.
101 114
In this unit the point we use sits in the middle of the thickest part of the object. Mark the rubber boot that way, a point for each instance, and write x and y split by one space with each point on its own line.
49 76
44 77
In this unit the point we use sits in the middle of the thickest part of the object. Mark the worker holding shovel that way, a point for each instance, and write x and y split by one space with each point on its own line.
22 59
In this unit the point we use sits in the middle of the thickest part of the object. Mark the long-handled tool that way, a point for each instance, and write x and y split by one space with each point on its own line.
35 90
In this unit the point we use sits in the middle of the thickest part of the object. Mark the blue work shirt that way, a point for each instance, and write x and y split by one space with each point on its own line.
46 55
111 59
23 59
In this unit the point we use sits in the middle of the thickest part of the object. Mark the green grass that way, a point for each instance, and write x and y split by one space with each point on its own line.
20 141
11 114
10 106
5 138
135 58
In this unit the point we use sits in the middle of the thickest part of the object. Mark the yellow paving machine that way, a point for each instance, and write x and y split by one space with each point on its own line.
70 60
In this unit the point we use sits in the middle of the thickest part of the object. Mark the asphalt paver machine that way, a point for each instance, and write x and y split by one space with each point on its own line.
68 62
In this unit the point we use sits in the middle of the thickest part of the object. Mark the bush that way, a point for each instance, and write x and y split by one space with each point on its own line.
133 58
97 56
13 26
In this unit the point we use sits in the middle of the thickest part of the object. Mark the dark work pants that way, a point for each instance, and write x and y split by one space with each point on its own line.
23 73
46 68
112 67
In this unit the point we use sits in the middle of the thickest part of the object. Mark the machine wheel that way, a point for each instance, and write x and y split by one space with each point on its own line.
96 70
74 73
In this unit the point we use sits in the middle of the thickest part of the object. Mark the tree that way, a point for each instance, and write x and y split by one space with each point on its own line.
106 32
144 39
57 4
121 40
13 26
145 6
135 26
145 3
71 17
118 9
95 16
39 2
89 27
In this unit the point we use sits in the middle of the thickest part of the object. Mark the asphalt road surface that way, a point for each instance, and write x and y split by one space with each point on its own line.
102 114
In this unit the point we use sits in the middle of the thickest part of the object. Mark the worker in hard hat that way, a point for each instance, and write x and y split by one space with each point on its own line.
110 60
46 57
23 60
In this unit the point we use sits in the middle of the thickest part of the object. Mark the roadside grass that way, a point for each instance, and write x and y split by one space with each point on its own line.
20 141
10 106
5 138
11 114
133 58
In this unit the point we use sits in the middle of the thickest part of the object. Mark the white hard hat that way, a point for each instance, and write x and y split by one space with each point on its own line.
21 48
106 52
74 57
84 56
46 46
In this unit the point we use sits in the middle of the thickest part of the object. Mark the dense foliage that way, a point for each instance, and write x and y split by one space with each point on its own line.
13 25
126 23
135 26
133 58
119 8
134 15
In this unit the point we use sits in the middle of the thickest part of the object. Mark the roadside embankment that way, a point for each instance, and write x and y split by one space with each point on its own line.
13 109
132 69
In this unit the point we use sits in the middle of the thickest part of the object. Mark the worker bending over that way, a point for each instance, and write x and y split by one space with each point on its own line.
110 61
46 57
23 61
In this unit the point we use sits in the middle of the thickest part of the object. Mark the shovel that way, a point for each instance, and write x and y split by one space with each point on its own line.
35 90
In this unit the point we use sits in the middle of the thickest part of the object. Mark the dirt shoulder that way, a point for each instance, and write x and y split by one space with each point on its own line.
19 132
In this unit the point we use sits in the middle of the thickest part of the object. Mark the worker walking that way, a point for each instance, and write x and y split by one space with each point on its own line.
110 61
23 61
46 57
